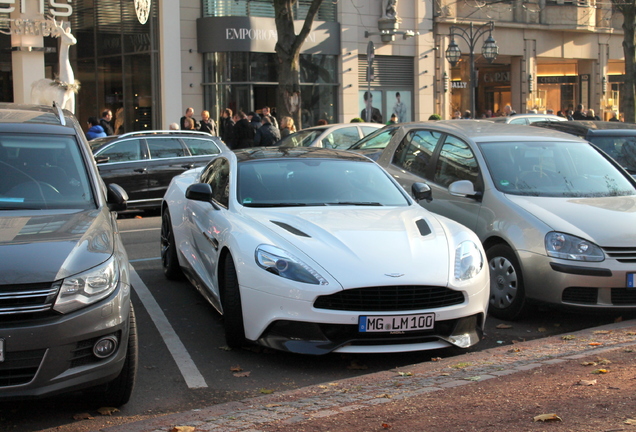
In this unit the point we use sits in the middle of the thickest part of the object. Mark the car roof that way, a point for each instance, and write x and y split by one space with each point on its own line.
551 117
40 118
339 125
487 131
591 127
98 143
262 153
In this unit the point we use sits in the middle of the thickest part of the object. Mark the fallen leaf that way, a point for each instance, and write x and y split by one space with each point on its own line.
568 337
630 422
273 405
547 417
444 374
475 378
595 344
138 217
504 326
183 429
603 361
587 382
436 359
514 350
386 426
460 365
542 329
334 384
236 368
601 332
242 374
631 333
628 350
590 363
600 371
225 348
405 373
355 365
83 416
107 410
384 396
323 387
266 391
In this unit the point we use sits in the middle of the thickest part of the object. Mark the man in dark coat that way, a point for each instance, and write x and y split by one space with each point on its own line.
579 114
267 134
243 131
226 128
104 122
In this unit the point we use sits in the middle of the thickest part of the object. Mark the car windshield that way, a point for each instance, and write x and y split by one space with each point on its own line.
554 169
377 140
303 138
316 182
621 148
42 172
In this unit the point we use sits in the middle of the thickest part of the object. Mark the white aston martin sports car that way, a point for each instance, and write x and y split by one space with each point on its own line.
313 250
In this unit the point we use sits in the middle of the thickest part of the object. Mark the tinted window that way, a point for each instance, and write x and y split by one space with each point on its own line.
165 148
415 151
623 149
520 121
43 172
199 146
342 138
218 176
456 162
124 151
366 130
377 140
301 138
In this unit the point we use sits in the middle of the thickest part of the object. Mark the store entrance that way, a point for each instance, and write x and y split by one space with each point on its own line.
265 95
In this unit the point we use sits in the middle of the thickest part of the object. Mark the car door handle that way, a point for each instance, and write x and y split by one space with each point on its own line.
141 170
215 242
187 166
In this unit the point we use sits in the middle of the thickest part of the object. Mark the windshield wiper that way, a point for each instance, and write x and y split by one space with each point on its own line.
355 203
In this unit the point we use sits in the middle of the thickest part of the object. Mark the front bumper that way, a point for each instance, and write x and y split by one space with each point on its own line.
47 356
589 285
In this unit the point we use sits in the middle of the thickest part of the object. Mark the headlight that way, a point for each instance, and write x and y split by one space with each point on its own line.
569 247
468 261
87 288
283 264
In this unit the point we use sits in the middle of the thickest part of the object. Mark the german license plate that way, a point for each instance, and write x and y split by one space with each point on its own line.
368 324
1 350
630 280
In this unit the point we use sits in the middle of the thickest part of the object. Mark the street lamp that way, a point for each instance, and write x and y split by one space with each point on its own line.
471 36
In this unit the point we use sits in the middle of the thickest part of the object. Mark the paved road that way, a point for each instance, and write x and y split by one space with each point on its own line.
183 363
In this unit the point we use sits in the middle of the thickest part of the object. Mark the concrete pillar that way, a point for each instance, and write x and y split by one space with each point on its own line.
170 62
27 56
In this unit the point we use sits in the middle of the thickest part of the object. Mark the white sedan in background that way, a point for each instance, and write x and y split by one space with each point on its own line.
335 136
313 251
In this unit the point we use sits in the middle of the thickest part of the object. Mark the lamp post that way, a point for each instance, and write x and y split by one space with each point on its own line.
471 36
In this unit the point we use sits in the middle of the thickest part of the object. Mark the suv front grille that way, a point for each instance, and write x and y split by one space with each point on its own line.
20 367
621 254
390 298
28 298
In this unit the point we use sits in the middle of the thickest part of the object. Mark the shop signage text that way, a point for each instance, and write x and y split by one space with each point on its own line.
459 84
55 8
496 77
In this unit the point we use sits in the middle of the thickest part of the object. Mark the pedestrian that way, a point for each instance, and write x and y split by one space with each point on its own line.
255 120
226 128
614 117
591 115
508 111
322 122
267 134
579 114
173 126
104 122
243 131
188 115
94 129
549 111
287 126
266 112
434 117
467 115
393 120
207 124
189 124
457 115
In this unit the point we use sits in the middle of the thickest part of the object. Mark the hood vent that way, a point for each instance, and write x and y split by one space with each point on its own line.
290 228
423 227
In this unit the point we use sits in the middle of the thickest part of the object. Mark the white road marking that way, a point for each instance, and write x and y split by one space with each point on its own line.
144 259
191 374
139 230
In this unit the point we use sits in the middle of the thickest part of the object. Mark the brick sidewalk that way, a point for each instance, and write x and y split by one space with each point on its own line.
360 393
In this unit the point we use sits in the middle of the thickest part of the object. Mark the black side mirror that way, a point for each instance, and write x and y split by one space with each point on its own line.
101 159
116 198
199 192
422 191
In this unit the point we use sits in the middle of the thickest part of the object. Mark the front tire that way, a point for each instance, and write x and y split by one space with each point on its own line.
507 293
169 259
232 307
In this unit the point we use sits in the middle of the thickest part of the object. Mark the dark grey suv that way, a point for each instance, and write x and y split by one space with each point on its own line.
66 319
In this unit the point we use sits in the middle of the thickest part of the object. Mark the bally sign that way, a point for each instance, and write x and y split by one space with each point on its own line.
459 84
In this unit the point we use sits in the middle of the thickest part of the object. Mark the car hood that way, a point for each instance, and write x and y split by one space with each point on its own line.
43 248
387 245
606 221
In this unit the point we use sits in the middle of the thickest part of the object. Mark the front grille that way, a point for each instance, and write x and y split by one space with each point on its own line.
582 295
624 296
621 254
28 298
390 298
20 367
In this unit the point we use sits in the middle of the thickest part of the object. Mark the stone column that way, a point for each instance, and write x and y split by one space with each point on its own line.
27 56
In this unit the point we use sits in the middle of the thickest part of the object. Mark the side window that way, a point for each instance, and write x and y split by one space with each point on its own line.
125 151
456 162
415 151
342 138
165 148
218 176
366 130
200 147
521 121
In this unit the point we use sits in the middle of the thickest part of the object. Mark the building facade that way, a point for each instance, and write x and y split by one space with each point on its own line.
148 60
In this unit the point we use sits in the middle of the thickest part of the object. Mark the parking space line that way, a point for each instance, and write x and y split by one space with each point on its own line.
144 259
191 374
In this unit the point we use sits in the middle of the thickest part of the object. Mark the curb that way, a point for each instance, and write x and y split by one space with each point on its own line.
368 390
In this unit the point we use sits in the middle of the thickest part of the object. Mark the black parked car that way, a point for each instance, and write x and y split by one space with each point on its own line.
66 319
143 163
617 139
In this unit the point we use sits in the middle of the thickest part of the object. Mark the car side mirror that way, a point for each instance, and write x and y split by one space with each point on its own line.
116 198
464 188
199 192
101 159
422 191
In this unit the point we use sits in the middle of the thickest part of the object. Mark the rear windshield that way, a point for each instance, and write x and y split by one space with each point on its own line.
43 172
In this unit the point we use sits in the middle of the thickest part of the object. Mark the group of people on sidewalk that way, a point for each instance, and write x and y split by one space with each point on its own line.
240 130
99 128
579 114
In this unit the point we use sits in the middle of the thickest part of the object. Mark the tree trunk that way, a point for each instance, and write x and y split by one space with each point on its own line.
288 49
629 48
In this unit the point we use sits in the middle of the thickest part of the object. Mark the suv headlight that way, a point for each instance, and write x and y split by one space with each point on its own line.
88 287
284 264
569 247
468 261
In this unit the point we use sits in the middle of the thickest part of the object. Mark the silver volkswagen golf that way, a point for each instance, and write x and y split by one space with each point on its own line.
556 216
